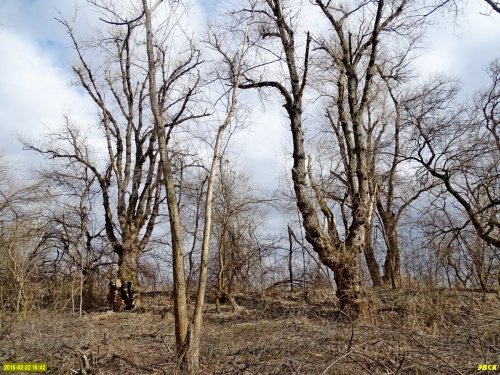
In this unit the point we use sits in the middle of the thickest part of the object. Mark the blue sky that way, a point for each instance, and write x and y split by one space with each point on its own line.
209 7
36 90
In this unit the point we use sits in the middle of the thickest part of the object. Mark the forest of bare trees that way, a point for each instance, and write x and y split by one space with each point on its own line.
390 190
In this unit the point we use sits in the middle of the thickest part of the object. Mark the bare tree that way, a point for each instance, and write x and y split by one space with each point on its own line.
466 260
341 257
397 189
188 336
80 229
238 216
25 241
363 108
129 179
460 148
358 45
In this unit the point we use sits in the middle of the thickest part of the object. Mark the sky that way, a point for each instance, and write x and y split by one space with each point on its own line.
36 87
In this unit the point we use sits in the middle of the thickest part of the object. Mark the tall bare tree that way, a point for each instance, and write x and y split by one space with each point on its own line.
129 178
359 43
188 335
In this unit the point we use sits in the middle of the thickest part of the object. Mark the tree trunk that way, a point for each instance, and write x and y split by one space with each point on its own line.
290 259
124 292
392 271
88 291
180 303
220 272
193 350
348 292
340 257
371 262
88 277
187 338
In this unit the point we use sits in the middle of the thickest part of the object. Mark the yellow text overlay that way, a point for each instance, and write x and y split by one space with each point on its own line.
24 367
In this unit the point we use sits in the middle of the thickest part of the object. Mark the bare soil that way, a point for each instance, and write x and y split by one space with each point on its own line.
403 332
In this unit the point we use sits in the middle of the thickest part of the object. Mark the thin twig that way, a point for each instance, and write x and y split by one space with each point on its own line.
427 349
166 345
334 362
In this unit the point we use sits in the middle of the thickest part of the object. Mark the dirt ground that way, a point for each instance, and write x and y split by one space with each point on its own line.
404 332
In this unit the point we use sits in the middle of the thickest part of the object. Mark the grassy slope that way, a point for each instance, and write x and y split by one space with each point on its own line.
417 332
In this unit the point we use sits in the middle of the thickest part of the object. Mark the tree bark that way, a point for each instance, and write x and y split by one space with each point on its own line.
371 262
180 303
290 259
392 271
339 256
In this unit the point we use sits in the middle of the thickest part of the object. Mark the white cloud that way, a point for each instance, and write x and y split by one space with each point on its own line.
34 93
463 49
35 74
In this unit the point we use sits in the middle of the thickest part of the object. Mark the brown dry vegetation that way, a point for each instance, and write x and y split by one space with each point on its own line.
405 332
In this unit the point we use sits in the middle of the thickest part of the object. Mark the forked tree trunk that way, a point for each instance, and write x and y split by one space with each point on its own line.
339 256
130 184
187 337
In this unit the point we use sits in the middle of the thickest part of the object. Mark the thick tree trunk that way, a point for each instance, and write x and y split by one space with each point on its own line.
341 258
124 291
348 292
348 281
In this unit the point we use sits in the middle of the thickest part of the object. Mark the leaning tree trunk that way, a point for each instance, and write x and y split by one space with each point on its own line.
192 357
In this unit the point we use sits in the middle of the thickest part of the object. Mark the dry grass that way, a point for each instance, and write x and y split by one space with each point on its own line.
405 332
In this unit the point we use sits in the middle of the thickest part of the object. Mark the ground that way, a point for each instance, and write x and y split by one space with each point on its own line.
403 332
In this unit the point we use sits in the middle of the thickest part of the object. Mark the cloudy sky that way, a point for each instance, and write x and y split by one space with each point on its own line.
36 90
